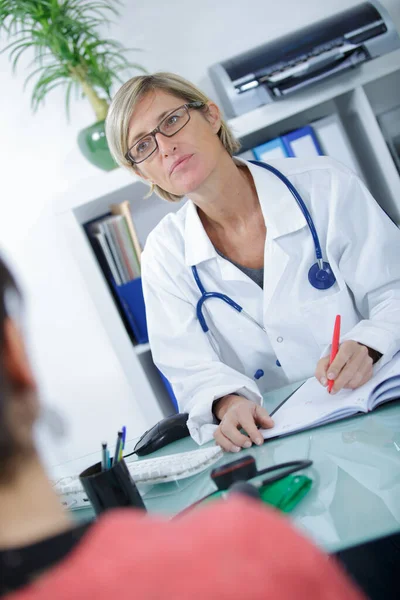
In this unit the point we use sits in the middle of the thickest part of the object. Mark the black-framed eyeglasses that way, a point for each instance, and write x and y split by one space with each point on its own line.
169 126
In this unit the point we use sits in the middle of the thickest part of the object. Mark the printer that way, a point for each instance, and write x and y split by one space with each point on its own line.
284 66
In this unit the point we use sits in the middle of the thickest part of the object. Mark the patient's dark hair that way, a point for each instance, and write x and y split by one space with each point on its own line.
7 446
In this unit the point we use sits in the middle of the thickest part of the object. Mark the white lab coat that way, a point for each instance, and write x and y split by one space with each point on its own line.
361 244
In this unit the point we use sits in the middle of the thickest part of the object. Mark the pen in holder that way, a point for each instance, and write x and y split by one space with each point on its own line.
113 488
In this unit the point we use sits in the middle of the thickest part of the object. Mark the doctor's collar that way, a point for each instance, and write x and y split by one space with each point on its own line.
281 213
198 246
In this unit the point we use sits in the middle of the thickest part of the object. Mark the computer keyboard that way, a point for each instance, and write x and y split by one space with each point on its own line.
174 466
160 469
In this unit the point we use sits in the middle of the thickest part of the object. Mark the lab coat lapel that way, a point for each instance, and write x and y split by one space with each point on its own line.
229 272
199 248
282 217
275 262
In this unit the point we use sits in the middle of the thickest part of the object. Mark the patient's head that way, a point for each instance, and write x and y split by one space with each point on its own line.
18 397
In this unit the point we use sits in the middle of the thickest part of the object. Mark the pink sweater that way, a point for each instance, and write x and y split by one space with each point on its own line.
232 550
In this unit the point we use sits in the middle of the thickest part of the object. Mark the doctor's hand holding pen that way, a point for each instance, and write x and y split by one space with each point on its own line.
351 368
349 365
236 412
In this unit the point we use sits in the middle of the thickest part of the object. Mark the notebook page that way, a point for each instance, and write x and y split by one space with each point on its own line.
388 388
390 394
313 405
387 378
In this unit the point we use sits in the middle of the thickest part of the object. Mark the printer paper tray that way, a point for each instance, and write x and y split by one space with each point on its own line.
293 83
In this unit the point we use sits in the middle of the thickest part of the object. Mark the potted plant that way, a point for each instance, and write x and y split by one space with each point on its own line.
69 52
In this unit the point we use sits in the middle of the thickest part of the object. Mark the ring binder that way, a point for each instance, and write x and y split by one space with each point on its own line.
131 298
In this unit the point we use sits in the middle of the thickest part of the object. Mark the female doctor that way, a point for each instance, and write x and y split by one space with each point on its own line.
245 234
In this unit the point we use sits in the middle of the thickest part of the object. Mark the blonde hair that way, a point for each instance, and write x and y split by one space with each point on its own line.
123 105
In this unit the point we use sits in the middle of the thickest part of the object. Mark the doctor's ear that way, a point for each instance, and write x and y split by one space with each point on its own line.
213 116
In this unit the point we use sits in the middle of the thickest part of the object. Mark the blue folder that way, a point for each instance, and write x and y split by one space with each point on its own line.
130 295
298 134
275 148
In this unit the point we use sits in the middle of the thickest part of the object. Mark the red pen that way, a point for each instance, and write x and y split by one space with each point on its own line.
334 349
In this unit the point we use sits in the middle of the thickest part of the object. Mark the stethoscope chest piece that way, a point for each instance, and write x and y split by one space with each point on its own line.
321 279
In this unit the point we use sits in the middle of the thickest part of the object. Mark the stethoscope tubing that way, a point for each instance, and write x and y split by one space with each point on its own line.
318 253
300 202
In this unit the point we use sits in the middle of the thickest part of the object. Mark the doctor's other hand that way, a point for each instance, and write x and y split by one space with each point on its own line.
351 368
236 412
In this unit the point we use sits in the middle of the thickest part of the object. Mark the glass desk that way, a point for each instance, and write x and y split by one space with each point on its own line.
355 495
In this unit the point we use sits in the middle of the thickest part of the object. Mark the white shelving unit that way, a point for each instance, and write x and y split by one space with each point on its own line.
87 201
358 97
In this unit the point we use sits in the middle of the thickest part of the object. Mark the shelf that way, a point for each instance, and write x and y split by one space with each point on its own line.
381 174
131 362
92 188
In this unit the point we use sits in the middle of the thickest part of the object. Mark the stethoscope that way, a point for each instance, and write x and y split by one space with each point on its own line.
320 274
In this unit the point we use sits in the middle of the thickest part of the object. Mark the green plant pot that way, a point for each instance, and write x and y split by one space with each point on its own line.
92 142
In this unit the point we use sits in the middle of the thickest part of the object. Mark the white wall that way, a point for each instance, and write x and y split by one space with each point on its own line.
77 369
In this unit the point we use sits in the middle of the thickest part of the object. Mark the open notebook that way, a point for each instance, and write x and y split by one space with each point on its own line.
311 405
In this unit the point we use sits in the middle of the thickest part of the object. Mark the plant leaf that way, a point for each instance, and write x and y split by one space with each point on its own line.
68 48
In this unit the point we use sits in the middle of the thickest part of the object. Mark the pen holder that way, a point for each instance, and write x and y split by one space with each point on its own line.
113 488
